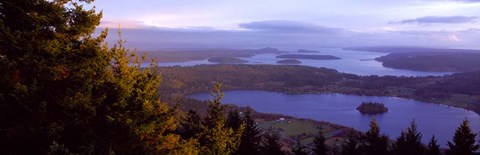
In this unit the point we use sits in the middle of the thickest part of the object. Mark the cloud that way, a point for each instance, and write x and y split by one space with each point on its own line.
122 24
288 35
439 19
288 27
468 1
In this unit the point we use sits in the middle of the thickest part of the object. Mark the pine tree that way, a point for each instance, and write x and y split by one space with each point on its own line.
433 147
350 147
320 148
234 120
409 142
374 142
216 137
271 145
63 89
463 141
299 149
251 137
191 125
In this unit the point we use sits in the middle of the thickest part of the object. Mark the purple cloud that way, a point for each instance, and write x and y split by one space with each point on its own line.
468 1
439 19
288 27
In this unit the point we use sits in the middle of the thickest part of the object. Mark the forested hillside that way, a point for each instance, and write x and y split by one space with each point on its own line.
458 90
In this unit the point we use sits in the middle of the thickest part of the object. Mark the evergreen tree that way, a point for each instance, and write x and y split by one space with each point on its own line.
409 142
271 145
433 147
251 137
234 120
320 148
374 142
216 137
62 89
350 147
336 149
463 141
191 125
299 149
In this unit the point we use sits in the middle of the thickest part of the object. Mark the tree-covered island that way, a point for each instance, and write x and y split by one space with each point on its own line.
372 108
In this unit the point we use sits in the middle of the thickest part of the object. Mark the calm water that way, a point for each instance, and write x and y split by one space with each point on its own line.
341 109
355 62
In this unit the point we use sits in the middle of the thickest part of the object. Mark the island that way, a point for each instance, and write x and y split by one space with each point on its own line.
227 60
306 51
432 61
289 61
372 108
313 57
426 59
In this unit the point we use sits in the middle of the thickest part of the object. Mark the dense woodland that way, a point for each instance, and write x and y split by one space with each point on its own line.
372 108
433 61
427 59
67 92
459 90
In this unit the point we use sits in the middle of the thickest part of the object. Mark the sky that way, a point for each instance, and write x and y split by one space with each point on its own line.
290 24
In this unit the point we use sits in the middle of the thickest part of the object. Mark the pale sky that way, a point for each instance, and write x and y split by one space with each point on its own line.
152 24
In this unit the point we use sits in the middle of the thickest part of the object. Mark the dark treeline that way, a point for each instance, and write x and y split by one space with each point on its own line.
258 141
433 61
372 108
460 90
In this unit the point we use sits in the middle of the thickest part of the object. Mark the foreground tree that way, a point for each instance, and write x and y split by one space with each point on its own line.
234 119
251 137
216 137
320 148
351 145
66 91
272 145
191 125
409 142
374 142
463 141
433 148
299 149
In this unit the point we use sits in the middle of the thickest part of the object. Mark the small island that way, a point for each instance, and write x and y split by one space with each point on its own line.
227 60
372 108
289 61
306 51
313 57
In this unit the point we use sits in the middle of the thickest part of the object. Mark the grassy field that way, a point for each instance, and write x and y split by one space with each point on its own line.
305 130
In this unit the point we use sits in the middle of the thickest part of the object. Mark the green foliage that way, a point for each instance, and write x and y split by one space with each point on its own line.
463 141
191 125
351 146
409 142
216 137
374 142
320 148
234 120
251 137
433 148
66 91
272 145
299 149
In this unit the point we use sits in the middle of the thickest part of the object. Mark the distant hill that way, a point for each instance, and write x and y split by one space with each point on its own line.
393 49
427 59
183 55
433 61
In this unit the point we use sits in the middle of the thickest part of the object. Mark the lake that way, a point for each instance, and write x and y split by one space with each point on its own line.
341 109
355 62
